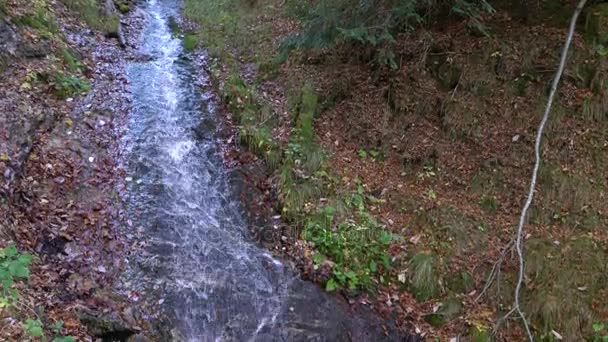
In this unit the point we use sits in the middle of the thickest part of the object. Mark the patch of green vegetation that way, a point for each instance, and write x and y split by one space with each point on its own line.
600 332
478 332
174 26
15 266
70 60
340 228
567 198
190 41
66 85
488 179
41 19
449 309
461 282
451 231
90 12
229 28
461 121
356 245
489 204
122 6
445 71
220 21
255 122
424 280
303 165
565 281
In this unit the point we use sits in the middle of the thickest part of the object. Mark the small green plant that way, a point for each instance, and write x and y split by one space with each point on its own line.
33 327
13 266
369 24
357 246
489 203
174 26
600 333
431 195
375 155
427 172
69 85
71 61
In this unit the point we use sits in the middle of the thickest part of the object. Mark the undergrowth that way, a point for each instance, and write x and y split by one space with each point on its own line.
90 12
340 229
14 267
66 85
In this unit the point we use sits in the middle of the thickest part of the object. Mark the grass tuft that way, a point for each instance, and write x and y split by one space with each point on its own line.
424 280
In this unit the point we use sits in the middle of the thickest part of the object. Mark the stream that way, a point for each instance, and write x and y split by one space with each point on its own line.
210 278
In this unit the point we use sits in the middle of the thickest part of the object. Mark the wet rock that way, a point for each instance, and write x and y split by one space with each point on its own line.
312 315
8 39
138 338
108 326
143 58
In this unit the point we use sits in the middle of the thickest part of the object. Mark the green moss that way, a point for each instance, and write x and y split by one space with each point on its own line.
190 41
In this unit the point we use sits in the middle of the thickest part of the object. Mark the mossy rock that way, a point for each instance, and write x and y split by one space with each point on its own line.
596 25
110 326
450 308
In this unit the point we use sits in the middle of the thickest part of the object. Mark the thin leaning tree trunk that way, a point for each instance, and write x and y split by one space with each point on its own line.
537 162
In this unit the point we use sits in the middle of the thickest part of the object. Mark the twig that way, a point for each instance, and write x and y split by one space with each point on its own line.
496 269
537 154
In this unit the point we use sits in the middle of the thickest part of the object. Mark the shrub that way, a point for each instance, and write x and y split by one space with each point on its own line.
368 23
357 246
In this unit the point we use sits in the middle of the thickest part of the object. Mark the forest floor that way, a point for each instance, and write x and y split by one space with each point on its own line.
442 151
62 96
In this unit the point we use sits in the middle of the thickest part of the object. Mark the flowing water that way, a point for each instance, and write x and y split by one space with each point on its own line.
212 280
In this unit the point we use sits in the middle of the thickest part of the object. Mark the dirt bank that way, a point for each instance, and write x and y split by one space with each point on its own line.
63 94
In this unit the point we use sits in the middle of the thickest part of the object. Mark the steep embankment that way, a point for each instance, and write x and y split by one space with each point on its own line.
62 91
406 183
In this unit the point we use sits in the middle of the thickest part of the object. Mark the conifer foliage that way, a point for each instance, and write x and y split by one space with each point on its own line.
371 23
